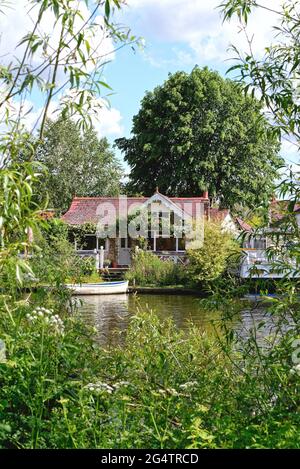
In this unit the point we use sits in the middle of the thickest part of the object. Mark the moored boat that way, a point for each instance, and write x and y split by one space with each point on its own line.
103 288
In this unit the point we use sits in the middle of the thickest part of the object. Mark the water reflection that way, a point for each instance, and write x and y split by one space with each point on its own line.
111 314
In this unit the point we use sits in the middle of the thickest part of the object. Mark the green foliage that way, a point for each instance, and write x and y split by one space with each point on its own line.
275 75
19 216
78 232
88 266
198 131
70 54
163 388
187 390
88 166
209 261
148 269
55 261
54 229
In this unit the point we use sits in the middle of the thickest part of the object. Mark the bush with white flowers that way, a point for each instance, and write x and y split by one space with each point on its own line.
47 317
98 388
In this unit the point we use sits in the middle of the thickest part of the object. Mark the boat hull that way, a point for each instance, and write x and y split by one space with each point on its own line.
105 288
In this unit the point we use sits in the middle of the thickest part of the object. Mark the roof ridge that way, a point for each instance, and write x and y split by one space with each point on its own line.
107 197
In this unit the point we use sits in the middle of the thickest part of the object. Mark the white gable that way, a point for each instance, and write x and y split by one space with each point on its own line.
162 199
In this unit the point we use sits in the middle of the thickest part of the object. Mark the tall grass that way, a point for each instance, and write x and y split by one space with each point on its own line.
162 389
148 270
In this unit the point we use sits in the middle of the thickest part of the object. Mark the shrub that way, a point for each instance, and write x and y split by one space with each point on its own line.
87 265
218 253
148 269
55 262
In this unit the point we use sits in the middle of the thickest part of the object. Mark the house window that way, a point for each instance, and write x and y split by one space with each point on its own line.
181 244
102 242
259 243
125 243
166 244
90 243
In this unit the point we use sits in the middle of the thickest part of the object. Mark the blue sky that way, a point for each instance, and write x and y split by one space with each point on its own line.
178 34
132 74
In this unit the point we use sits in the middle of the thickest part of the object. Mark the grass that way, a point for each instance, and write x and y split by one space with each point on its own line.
92 278
162 389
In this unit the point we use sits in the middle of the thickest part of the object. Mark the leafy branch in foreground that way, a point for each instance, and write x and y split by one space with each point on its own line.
62 57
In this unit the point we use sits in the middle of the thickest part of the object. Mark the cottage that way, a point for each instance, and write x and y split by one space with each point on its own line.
166 229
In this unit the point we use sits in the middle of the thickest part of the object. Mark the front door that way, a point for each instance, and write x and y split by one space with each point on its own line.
124 252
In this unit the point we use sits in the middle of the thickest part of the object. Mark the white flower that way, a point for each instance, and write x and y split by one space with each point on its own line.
121 384
295 370
99 387
46 317
189 384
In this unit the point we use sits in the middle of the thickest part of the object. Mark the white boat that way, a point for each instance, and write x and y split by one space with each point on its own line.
104 288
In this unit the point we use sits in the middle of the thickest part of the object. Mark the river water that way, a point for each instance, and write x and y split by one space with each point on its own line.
110 314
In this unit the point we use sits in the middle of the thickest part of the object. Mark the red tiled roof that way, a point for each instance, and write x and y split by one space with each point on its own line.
217 214
243 225
84 209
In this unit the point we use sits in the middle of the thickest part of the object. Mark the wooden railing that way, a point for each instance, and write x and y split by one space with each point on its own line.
175 256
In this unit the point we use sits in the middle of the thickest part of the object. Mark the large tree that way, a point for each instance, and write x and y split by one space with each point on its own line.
77 163
199 131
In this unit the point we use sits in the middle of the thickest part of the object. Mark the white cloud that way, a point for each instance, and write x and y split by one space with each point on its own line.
16 23
106 120
198 24
109 122
19 20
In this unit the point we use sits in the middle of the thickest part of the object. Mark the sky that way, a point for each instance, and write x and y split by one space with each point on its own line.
178 34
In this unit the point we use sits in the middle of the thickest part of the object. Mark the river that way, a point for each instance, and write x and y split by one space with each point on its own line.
110 314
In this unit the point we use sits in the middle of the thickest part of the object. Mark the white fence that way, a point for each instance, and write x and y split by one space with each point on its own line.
256 264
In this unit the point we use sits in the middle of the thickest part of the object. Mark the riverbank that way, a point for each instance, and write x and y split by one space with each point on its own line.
176 290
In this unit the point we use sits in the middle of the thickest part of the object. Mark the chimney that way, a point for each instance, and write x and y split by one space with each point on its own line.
205 195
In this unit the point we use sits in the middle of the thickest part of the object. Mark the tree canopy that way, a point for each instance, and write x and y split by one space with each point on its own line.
77 163
199 131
